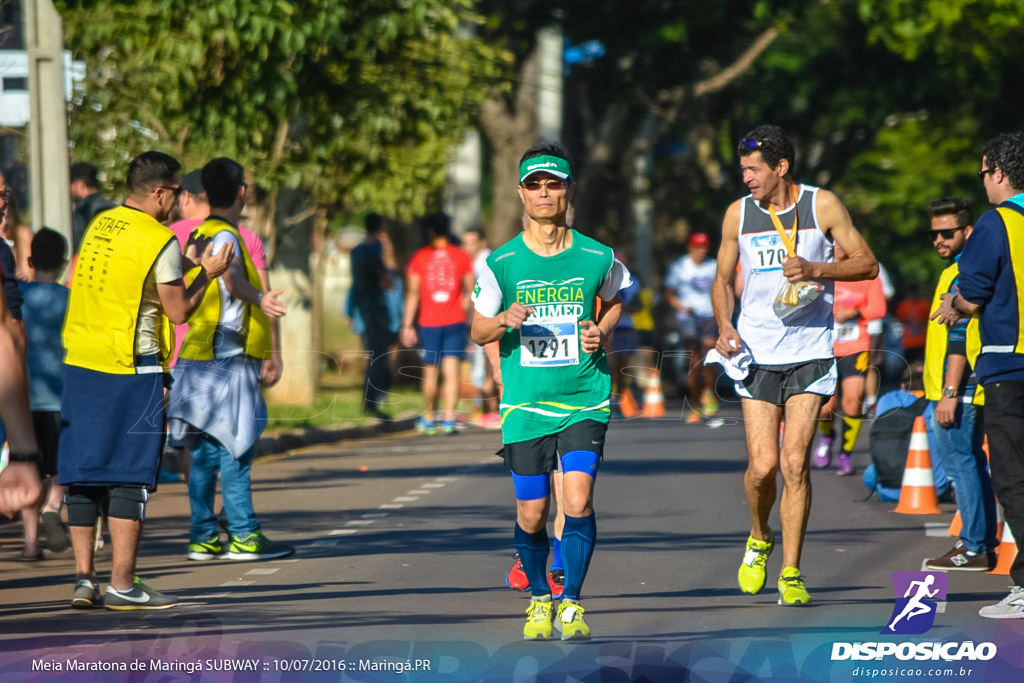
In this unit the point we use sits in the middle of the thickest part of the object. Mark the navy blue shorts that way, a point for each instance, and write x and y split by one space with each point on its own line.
443 341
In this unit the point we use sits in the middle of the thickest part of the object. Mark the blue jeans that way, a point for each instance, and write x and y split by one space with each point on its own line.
207 458
960 452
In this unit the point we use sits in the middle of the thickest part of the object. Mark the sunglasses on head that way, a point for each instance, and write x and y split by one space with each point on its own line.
552 185
946 234
750 143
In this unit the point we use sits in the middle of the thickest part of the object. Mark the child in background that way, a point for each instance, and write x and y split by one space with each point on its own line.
45 305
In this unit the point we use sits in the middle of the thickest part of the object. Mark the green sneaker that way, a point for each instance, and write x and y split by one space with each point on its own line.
752 574
570 621
538 619
208 550
791 588
140 596
256 546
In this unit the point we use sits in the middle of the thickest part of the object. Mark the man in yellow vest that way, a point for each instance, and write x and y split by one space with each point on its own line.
215 403
991 277
118 334
954 410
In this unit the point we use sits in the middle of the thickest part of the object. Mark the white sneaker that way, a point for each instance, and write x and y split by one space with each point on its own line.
1010 607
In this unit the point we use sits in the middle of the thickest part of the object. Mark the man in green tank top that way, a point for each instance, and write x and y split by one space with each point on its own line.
538 295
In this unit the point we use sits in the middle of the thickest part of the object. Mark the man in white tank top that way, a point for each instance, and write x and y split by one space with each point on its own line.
782 231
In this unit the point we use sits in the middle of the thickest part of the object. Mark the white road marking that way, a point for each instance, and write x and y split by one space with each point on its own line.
320 542
937 529
343 532
433 485
373 515
406 499
237 582
418 492
265 571
391 506
359 522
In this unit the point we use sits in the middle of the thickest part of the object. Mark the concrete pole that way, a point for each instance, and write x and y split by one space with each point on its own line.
48 124
550 96
462 199
643 202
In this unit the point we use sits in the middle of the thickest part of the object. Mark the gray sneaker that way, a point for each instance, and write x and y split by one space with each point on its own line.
86 595
1010 607
140 596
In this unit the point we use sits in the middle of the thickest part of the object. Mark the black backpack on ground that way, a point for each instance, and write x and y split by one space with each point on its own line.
890 441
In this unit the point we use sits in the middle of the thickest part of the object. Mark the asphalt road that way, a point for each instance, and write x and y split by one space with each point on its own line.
402 547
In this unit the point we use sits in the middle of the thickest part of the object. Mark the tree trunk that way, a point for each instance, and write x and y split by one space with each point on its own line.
291 272
511 127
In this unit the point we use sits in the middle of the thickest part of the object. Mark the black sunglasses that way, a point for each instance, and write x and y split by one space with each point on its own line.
946 234
985 171
176 190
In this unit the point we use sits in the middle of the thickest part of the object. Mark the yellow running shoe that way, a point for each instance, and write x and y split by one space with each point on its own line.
791 588
570 621
709 403
752 574
538 619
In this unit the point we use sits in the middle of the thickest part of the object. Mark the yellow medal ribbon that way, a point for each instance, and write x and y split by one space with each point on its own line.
788 240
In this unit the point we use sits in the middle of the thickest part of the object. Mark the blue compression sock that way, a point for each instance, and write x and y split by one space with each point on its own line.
533 551
556 562
578 538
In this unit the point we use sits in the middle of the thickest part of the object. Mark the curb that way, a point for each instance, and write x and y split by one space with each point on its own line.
281 442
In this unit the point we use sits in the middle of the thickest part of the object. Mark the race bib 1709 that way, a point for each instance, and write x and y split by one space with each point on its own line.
550 343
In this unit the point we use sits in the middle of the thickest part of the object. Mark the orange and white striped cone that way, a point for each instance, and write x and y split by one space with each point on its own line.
1006 551
654 399
917 493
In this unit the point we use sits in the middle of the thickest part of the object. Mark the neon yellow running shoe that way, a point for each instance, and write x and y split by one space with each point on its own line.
538 619
791 588
569 621
752 575
709 404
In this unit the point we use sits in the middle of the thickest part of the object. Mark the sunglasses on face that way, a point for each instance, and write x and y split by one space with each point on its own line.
944 234
985 171
177 190
551 185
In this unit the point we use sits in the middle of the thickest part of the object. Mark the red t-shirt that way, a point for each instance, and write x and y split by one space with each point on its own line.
441 273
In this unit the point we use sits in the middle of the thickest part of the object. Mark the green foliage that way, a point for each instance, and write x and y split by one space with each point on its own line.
372 94
914 159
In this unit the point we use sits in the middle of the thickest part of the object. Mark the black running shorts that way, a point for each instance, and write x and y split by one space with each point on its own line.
540 455
777 383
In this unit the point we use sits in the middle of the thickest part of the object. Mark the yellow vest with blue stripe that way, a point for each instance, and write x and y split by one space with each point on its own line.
936 340
200 339
118 254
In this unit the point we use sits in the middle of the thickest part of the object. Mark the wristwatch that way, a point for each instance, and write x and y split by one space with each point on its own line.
259 298
949 392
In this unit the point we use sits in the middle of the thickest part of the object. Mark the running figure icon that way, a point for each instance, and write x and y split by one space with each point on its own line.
916 605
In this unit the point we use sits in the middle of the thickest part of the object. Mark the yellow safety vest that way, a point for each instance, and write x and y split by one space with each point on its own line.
199 341
118 253
937 338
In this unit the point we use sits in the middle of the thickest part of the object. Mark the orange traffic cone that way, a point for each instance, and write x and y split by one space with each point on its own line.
1007 549
627 405
956 526
917 493
654 400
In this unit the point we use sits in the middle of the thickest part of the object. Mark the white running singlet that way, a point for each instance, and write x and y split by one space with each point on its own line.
806 335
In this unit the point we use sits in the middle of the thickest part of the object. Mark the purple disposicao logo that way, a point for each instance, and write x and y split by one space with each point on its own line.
917 596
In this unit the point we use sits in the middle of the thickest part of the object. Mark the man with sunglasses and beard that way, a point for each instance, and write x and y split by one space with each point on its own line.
782 231
537 294
991 272
954 410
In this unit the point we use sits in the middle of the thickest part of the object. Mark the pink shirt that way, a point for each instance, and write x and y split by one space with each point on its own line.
253 244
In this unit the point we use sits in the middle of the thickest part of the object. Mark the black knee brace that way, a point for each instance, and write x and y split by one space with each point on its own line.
128 502
85 504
